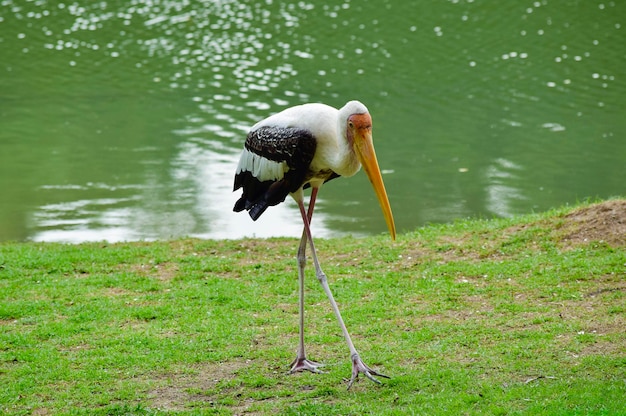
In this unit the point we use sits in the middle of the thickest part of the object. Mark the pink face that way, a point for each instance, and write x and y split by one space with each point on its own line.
360 136
359 125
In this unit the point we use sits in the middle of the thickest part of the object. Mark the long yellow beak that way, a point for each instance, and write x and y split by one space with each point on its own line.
367 156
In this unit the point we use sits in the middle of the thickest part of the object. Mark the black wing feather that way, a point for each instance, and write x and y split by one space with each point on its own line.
296 147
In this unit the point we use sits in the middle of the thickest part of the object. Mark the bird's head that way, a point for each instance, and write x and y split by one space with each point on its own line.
359 134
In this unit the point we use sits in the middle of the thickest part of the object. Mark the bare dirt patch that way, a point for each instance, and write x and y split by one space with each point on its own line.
178 390
605 221
163 271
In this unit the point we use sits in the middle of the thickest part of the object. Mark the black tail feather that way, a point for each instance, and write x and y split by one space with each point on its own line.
258 209
254 209
240 205
258 196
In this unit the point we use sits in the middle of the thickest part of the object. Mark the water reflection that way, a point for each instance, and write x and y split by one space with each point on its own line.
501 194
199 205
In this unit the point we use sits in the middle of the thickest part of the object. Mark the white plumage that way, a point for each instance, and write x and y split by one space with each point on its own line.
261 168
328 125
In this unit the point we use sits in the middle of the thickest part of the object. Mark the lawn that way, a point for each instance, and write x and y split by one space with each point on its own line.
499 316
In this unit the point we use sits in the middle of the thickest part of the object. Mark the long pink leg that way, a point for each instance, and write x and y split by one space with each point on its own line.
301 363
358 366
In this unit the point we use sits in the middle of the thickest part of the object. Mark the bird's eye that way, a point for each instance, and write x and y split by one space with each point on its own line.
351 124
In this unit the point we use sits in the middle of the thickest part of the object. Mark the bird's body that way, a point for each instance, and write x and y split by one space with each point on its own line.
306 146
300 146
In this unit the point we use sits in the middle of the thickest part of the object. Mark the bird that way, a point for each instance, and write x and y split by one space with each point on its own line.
303 147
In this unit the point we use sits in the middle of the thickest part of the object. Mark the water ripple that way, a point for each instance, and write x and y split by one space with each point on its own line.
141 107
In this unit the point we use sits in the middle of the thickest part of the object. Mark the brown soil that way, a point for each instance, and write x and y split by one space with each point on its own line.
178 390
605 221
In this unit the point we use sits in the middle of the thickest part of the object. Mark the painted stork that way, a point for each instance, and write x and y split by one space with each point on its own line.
301 147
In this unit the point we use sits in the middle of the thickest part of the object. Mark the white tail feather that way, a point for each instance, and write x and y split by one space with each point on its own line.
261 168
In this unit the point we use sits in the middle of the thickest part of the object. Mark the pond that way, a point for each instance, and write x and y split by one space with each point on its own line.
124 120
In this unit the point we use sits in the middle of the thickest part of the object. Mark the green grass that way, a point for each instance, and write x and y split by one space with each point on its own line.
502 317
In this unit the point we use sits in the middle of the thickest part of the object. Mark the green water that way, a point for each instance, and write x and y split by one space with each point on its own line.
123 120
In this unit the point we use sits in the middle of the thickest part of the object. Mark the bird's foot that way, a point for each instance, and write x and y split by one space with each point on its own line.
358 366
303 364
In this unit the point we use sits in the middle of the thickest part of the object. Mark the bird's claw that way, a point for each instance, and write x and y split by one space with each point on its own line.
358 366
303 364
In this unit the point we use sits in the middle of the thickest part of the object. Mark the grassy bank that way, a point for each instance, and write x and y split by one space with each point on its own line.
519 316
